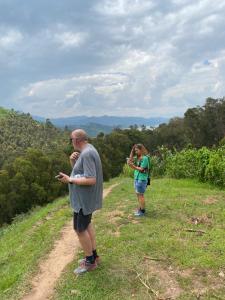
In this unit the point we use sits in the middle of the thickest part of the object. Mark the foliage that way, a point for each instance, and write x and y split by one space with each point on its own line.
203 164
31 154
177 149
19 132
30 181
127 171
215 170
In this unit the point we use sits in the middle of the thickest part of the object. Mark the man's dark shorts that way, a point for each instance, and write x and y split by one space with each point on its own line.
81 221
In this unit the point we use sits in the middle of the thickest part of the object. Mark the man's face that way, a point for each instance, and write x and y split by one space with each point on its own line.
75 142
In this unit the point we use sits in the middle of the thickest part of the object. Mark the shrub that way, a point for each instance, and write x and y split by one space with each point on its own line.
215 170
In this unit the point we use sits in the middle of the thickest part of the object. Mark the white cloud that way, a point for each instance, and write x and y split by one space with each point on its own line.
70 39
123 7
10 38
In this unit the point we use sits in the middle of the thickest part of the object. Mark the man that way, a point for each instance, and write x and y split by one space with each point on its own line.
86 188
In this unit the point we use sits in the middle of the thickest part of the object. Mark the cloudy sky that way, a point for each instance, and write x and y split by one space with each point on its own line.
115 57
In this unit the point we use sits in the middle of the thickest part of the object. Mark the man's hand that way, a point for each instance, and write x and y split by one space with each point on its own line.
65 178
74 157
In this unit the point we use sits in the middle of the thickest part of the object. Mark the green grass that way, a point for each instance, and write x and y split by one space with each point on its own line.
188 261
25 242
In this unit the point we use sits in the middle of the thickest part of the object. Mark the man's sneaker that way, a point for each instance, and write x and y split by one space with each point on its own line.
139 213
97 260
86 266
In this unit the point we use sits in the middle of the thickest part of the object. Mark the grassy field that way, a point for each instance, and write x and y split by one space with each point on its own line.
26 241
155 257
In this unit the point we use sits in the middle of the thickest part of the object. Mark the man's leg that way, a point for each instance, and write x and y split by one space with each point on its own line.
81 224
85 242
91 232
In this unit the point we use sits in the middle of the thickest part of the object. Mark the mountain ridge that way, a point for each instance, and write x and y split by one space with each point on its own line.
112 121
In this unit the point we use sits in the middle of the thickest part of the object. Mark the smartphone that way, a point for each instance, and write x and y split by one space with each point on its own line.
58 176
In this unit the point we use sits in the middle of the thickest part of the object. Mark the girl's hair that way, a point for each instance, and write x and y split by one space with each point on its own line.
142 148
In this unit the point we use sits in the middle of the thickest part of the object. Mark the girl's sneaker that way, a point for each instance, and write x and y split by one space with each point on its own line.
139 213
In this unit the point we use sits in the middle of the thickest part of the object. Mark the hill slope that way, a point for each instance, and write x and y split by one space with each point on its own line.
3 112
19 132
150 258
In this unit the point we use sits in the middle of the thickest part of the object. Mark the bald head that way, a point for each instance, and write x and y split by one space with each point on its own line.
80 135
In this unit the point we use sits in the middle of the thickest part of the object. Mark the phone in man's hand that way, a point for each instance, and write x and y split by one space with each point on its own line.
59 176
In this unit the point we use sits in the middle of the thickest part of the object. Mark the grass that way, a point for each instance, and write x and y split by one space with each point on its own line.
185 265
25 242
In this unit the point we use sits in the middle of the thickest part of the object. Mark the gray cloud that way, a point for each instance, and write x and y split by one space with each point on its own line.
120 57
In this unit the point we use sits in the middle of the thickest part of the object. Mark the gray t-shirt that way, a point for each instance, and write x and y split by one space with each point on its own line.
87 197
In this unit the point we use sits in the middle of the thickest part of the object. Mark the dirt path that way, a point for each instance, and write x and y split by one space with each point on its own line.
50 269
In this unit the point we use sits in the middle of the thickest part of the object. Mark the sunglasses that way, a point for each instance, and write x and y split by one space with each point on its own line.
73 139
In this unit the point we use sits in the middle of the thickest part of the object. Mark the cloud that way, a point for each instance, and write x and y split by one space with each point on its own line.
9 38
120 57
123 7
70 39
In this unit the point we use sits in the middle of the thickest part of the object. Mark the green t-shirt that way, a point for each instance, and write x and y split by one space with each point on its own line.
143 163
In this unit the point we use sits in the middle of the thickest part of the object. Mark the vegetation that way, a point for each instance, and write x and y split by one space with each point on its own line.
32 153
3 112
158 249
203 164
22 244
201 126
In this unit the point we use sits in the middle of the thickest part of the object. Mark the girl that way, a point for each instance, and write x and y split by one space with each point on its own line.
139 161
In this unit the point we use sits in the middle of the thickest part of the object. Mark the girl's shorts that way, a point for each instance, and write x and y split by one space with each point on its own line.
140 186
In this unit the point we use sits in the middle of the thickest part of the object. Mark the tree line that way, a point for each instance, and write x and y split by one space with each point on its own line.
32 153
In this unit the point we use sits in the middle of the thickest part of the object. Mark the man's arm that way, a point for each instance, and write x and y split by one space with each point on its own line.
83 180
79 181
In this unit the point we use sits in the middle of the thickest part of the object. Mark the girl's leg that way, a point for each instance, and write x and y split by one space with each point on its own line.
141 200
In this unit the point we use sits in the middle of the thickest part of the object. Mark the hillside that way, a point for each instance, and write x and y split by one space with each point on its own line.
19 132
176 252
3 112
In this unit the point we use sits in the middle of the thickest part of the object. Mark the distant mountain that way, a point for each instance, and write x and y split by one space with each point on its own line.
111 121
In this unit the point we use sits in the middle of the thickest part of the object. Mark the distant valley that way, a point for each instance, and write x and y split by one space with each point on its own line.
94 125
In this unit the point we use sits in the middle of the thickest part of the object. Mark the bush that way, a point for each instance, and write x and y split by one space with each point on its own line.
159 162
182 164
203 164
127 171
215 170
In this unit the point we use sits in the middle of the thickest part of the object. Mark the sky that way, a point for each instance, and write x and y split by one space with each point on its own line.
140 58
